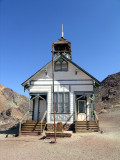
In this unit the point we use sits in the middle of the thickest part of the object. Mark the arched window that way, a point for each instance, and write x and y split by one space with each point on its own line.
64 66
61 65
58 66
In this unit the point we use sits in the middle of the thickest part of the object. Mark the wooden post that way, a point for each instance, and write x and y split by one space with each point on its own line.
38 108
75 110
19 128
53 91
28 116
40 126
86 111
92 107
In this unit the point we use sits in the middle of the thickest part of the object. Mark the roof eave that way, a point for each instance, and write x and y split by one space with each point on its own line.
29 79
98 82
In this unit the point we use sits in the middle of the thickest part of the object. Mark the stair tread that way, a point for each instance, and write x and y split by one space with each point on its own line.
30 131
32 127
86 126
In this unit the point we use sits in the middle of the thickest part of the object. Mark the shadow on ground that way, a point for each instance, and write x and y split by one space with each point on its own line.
12 131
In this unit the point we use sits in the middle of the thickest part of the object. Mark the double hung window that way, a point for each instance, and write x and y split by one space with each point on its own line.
61 102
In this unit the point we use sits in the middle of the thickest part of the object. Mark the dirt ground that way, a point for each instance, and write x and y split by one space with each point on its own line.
85 146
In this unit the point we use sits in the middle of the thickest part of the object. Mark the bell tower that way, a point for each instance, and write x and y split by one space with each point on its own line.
62 47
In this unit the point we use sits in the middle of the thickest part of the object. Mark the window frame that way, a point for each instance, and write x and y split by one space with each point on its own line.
57 110
61 68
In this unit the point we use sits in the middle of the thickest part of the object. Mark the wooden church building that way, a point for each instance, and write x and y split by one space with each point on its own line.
73 94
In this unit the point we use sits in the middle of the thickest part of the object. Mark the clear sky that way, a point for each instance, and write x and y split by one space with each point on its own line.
28 28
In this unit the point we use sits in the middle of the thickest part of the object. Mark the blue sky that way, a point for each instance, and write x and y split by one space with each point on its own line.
28 28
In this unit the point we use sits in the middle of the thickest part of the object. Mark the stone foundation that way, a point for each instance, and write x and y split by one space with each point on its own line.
66 127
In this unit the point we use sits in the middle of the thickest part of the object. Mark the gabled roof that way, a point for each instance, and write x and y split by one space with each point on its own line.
29 79
98 82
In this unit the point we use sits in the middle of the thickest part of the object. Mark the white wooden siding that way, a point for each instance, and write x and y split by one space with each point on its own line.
70 74
40 89
64 82
57 82
82 88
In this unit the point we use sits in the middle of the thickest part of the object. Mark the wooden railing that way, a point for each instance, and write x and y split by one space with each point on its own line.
96 118
42 121
75 115
21 120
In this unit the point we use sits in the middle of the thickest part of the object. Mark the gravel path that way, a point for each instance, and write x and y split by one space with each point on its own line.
89 146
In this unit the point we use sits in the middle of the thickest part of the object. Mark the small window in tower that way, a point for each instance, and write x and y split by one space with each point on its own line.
64 66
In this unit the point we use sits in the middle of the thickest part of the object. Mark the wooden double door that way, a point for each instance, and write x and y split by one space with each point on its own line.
39 109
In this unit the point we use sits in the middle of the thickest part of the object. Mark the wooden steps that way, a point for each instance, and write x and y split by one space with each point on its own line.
58 134
86 126
32 128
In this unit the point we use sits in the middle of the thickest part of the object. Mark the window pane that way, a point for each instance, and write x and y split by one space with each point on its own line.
66 108
81 107
60 98
64 65
58 65
66 98
55 97
60 108
56 107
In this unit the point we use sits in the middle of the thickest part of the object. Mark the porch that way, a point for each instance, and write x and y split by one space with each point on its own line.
34 120
86 119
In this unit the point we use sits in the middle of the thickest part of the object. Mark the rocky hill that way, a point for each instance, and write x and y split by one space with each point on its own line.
12 107
108 94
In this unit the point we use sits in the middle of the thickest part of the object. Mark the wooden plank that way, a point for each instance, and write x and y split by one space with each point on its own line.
50 134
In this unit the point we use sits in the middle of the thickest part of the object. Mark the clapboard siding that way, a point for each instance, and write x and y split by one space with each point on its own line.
70 74
63 88
64 82
60 82
82 88
39 89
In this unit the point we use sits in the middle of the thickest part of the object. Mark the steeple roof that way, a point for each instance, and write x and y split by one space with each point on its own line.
62 41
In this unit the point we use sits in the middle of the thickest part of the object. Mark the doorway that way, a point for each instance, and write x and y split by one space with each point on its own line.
39 107
81 110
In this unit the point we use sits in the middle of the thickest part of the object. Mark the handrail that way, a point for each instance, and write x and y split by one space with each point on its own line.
42 121
75 115
20 121
96 118
24 116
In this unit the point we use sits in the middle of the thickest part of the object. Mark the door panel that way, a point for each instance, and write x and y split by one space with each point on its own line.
36 110
81 110
42 109
81 106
